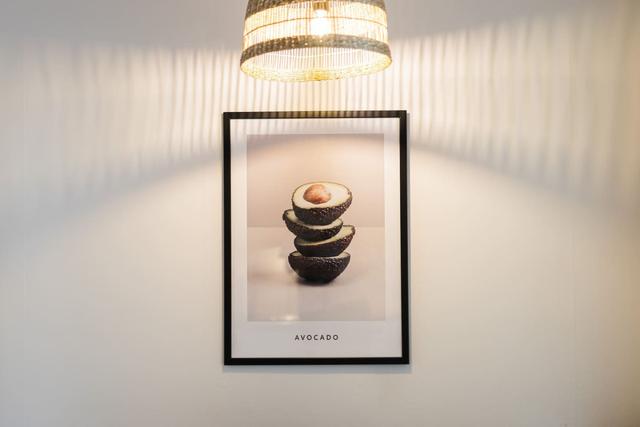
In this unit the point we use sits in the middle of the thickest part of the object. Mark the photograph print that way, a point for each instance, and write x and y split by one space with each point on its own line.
315 238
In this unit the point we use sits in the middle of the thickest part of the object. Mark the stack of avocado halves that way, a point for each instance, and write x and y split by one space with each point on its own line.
321 237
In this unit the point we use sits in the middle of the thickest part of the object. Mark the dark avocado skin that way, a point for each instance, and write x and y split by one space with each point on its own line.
321 216
310 234
325 250
320 270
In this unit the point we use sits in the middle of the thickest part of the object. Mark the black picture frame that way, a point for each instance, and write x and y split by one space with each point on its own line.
401 115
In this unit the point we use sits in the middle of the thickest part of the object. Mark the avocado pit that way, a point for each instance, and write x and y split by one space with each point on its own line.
317 194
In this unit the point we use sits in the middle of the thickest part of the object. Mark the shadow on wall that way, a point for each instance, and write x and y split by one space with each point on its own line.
551 99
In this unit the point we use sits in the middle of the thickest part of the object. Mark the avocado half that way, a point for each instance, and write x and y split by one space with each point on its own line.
329 247
308 232
321 211
317 269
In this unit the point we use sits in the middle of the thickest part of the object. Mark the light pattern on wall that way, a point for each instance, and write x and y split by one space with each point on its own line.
554 100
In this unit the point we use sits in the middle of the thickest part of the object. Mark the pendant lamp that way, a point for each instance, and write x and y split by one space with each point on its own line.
305 40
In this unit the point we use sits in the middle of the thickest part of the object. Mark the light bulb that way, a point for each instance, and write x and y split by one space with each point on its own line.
320 23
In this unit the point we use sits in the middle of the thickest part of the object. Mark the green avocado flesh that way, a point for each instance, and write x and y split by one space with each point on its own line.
308 232
326 248
321 213
319 269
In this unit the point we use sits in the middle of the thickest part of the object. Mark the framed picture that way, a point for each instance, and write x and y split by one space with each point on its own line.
315 238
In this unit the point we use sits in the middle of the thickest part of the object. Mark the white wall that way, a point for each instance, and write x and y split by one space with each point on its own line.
525 207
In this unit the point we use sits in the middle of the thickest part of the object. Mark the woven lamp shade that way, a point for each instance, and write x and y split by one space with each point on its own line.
303 40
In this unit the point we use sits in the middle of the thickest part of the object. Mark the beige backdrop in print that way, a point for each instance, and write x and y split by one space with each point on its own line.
276 165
